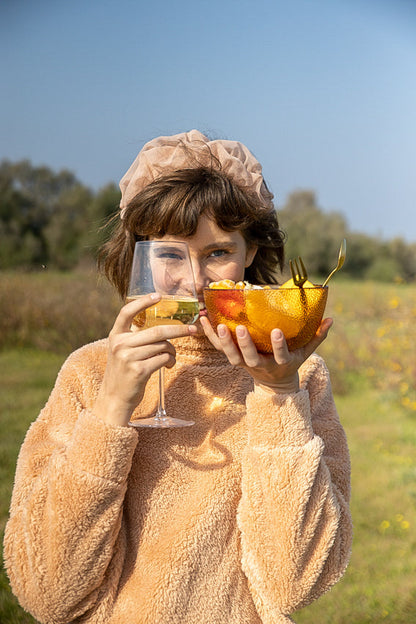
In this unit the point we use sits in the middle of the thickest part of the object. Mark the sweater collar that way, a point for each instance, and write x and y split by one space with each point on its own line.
198 347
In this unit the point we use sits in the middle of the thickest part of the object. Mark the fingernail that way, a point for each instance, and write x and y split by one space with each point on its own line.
192 329
241 332
277 335
221 331
154 296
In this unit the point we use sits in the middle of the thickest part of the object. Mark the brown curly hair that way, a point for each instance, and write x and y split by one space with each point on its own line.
174 203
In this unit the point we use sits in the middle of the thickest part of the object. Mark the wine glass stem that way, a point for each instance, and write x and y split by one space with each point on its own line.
161 413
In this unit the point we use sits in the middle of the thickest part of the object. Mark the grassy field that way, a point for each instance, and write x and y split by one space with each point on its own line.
25 384
371 357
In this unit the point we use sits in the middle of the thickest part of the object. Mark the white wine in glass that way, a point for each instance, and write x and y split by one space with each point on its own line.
170 310
165 268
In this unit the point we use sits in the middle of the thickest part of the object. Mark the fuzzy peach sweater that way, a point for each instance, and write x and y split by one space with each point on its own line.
241 519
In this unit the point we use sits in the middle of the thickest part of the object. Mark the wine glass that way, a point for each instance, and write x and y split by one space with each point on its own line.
165 268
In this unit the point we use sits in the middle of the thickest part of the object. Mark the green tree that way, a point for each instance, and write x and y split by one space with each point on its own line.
104 205
38 212
404 255
65 230
311 233
383 269
362 250
49 218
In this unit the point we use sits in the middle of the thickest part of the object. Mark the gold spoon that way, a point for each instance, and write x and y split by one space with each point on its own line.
341 260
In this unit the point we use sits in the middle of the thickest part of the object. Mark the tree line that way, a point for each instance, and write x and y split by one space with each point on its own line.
51 219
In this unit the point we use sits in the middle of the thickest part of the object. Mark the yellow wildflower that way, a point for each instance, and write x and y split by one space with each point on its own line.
404 387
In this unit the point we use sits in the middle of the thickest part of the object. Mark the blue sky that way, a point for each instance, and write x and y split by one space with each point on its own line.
322 91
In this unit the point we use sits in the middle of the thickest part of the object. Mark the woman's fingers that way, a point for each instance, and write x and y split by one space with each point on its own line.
152 335
228 346
128 312
221 340
280 349
277 371
125 318
319 337
210 333
150 363
245 353
144 350
248 349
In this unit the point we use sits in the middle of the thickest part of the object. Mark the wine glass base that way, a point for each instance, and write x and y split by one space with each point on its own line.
161 423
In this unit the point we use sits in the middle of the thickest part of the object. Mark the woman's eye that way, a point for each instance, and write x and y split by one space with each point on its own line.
218 253
169 256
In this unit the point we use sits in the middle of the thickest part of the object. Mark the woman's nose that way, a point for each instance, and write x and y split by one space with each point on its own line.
200 275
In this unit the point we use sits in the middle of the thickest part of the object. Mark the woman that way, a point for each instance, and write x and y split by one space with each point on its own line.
242 518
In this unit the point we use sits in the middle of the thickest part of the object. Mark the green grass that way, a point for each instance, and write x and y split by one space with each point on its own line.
379 585
26 380
370 354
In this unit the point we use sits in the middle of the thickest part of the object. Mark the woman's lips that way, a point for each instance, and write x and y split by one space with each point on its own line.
202 308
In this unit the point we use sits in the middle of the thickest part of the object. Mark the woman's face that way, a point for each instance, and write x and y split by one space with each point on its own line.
215 254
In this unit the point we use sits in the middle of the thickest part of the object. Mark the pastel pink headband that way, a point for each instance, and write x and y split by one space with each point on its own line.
170 153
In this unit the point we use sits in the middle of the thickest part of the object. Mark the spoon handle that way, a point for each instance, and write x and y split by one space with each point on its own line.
341 259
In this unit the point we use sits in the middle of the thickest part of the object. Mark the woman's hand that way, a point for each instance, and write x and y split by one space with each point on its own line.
132 358
277 371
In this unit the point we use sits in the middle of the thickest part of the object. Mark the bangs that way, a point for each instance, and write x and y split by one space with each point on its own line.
182 199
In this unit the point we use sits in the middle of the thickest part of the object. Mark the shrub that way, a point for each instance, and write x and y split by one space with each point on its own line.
55 311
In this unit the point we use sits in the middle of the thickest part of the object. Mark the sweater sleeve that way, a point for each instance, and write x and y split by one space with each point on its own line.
65 514
294 517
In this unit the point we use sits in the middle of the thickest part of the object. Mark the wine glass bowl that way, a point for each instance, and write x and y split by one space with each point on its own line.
296 311
165 268
168 311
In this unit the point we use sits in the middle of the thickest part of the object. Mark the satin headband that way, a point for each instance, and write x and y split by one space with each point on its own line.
166 154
